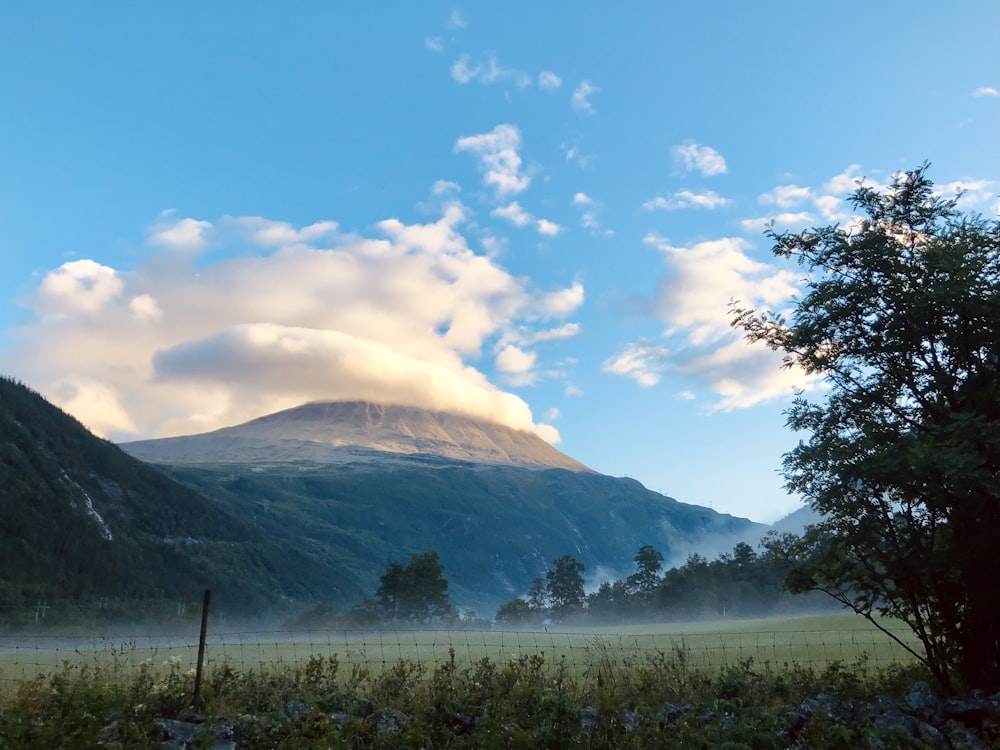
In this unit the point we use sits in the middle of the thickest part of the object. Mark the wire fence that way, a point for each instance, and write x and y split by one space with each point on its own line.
23 658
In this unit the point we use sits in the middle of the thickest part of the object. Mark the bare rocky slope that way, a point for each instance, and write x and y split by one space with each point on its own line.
356 431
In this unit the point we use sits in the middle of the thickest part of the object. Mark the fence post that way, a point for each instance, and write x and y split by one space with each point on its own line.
201 650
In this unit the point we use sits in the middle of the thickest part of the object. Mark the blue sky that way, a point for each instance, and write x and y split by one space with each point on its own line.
532 212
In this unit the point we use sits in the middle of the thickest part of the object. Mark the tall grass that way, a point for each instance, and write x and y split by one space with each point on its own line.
656 699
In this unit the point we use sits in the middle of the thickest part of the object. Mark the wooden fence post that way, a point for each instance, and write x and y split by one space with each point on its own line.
201 651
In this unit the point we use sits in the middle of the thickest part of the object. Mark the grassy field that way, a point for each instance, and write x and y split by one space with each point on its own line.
815 641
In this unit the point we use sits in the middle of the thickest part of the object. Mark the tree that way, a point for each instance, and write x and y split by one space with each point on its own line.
418 591
643 582
538 600
564 586
901 317
516 612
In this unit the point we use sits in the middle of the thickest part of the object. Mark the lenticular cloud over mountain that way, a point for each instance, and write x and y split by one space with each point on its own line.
260 316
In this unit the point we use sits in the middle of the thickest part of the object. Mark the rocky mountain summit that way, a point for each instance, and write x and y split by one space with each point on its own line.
357 431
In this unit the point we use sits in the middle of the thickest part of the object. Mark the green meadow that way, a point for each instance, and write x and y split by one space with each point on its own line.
813 640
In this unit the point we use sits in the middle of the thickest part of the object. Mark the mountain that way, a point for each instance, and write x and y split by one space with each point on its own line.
80 521
355 485
796 521
356 431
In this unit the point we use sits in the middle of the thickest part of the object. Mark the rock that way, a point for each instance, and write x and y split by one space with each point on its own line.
392 719
961 736
631 721
295 711
922 700
669 713
588 720
189 735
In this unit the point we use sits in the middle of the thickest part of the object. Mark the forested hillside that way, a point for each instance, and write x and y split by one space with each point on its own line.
82 521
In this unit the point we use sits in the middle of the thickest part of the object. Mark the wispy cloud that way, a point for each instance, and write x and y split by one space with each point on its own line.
986 91
786 196
580 99
693 157
498 157
513 213
488 72
784 220
549 81
589 215
548 228
642 363
434 43
457 20
708 199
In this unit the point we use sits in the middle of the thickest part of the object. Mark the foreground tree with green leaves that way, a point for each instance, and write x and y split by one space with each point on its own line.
901 316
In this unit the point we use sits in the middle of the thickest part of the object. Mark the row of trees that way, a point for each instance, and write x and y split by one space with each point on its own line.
741 583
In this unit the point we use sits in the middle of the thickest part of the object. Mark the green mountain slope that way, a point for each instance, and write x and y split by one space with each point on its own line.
81 520
495 527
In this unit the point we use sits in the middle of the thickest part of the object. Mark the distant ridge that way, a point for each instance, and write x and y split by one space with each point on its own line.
356 431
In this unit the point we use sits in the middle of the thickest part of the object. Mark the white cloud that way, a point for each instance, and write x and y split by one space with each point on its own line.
693 302
457 20
575 156
185 235
444 187
702 279
434 43
269 233
708 199
644 364
488 73
589 218
693 157
580 100
549 81
798 220
553 414
986 91
744 375
786 196
161 349
462 72
548 228
973 194
498 158
512 359
846 182
513 213
563 302
565 331
830 207
145 307
79 286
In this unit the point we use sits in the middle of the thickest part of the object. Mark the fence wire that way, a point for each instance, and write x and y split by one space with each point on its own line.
23 658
